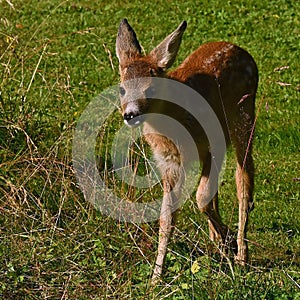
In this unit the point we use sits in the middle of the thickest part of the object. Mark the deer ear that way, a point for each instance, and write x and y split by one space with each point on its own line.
165 53
127 45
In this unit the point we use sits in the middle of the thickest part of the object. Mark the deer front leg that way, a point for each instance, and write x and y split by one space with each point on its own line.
172 181
166 222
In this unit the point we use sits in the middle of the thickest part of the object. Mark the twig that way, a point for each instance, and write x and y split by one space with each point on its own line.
292 279
10 4
278 69
34 72
109 56
283 83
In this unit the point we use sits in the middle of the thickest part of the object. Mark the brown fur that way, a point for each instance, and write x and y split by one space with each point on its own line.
226 76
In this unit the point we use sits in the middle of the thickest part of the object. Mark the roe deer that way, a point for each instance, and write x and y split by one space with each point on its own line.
227 77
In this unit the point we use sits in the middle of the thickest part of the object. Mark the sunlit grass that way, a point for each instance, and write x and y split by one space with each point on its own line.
55 57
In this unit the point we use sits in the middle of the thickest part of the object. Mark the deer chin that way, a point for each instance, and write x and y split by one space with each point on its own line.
135 122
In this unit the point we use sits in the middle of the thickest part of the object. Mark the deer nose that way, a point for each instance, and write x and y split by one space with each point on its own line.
132 119
129 116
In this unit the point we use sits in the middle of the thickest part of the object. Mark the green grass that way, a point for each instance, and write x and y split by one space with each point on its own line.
54 58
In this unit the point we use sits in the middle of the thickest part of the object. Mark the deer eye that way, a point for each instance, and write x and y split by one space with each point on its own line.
152 73
122 91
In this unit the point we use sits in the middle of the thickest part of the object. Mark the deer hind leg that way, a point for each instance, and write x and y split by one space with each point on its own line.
172 175
245 183
208 204
242 140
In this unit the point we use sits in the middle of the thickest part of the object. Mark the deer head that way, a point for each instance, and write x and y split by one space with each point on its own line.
137 70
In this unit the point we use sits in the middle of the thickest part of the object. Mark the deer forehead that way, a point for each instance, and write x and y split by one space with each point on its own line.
136 76
136 69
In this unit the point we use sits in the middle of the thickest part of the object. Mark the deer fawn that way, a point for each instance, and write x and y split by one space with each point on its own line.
227 77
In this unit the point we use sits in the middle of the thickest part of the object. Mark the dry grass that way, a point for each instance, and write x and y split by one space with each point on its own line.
55 245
